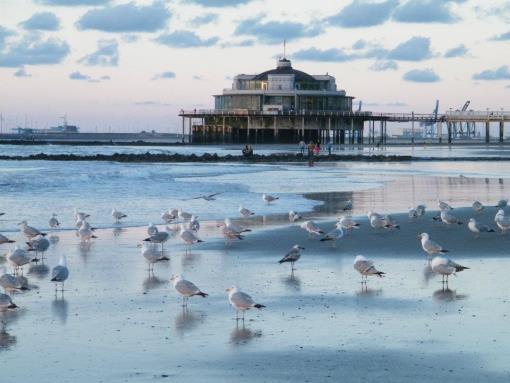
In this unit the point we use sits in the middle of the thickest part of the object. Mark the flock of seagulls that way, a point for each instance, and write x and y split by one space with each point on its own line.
188 227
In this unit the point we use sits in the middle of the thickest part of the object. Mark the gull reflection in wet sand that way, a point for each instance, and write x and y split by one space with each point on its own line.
6 340
153 282
428 274
117 231
84 249
446 295
189 259
7 317
39 270
54 239
292 281
366 292
188 320
242 335
60 309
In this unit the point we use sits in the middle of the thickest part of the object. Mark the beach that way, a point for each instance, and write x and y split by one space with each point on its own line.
118 323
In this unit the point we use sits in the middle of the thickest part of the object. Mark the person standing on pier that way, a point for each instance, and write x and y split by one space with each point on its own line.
302 146
311 151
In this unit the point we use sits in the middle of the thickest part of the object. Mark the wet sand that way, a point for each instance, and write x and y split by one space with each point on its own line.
116 323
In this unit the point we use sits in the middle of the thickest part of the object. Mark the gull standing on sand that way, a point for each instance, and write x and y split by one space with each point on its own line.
429 246
18 258
413 213
448 218
160 237
421 210
234 226
502 220
169 215
6 303
245 212
230 234
152 229
293 216
241 301
186 288
53 222
347 206
502 203
348 223
194 224
366 267
269 198
292 256
334 235
391 222
379 222
10 282
4 239
30 231
444 206
445 267
86 232
188 237
118 215
478 206
312 228
80 216
152 255
60 273
477 228
39 246
184 216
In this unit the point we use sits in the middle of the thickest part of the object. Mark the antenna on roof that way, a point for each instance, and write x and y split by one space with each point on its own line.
284 49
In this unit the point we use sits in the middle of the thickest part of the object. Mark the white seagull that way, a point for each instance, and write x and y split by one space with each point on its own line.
118 215
269 198
366 267
444 206
478 206
312 228
502 220
502 203
86 232
80 216
152 255
10 282
160 237
152 229
38 245
60 273
347 206
448 218
477 227
206 197
429 246
445 267
348 223
293 216
184 215
241 301
169 215
4 239
188 237
6 303
234 226
421 210
30 231
18 258
379 222
194 224
413 213
334 235
186 288
230 235
245 212
53 222
292 256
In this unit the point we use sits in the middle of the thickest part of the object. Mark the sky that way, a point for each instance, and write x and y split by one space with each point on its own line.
115 65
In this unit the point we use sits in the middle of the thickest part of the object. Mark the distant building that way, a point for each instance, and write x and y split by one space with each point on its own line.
279 105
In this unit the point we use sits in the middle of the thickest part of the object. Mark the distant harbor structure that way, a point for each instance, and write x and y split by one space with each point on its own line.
286 105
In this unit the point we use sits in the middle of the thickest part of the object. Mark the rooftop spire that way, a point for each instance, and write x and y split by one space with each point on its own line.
284 49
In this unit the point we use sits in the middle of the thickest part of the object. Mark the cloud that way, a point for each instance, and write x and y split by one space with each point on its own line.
128 17
502 37
184 39
242 43
421 75
363 14
42 21
219 3
501 73
383 65
197 77
21 72
32 49
79 76
415 49
326 55
274 32
426 11
458 51
164 75
107 54
398 104
4 33
152 103
129 38
104 78
73 3
501 11
206 18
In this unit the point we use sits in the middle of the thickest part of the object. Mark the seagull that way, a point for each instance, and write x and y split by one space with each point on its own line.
334 235
293 216
379 222
10 282
86 232
346 222
366 267
193 224
444 206
152 256
448 218
230 234
30 231
186 288
445 267
206 197
80 215
502 220
245 212
118 215
60 273
79 222
429 246
292 256
152 229
188 237
347 206
183 215
38 245
6 303
18 258
478 228
312 228
421 209
269 198
241 301
1 214
413 213
53 222
391 222
478 206
372 213
4 239
234 226
160 237
502 203
170 215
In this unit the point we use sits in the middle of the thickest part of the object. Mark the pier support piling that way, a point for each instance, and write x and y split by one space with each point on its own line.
487 132
501 131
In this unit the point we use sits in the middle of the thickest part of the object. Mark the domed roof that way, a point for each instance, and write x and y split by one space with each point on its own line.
284 67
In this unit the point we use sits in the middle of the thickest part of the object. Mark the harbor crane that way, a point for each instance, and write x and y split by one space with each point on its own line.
429 127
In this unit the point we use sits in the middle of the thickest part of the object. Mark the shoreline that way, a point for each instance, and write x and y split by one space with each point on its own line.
256 158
